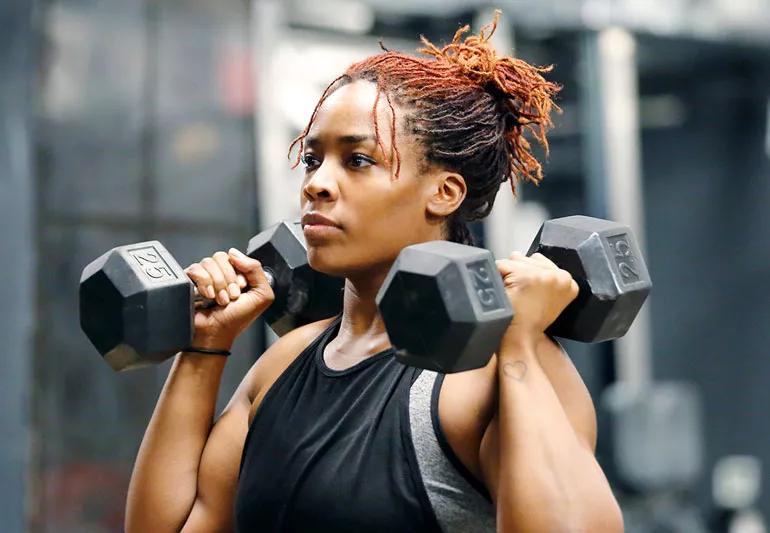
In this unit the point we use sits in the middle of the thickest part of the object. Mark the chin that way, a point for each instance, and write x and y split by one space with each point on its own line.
327 260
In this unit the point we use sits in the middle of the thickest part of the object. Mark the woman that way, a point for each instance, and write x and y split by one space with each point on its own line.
327 432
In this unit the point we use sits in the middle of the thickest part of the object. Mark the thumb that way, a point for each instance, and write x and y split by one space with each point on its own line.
251 269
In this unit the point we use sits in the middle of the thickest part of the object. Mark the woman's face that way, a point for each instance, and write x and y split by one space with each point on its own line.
350 182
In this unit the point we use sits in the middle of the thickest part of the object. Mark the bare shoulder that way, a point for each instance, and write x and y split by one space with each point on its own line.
277 358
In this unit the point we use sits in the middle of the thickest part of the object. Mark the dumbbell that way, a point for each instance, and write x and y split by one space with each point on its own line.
445 308
137 303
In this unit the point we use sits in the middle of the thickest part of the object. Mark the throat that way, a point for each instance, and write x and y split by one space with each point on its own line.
341 354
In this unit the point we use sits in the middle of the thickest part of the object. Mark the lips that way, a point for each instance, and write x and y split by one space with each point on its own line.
317 219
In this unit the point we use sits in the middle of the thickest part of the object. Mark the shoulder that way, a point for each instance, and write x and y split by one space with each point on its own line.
279 356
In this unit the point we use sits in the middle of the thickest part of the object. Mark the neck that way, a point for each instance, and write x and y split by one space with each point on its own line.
362 327
360 315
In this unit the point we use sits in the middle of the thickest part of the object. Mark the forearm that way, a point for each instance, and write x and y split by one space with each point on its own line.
163 484
548 479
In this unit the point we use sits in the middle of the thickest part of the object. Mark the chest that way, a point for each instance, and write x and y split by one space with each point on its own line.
330 454
467 403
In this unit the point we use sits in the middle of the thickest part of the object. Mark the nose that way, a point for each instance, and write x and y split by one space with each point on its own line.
321 185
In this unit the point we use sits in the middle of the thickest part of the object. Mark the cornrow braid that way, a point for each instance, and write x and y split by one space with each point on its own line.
471 109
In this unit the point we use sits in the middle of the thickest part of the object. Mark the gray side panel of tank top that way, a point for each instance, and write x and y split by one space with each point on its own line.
457 504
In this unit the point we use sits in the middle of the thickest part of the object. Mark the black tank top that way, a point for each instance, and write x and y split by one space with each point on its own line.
332 450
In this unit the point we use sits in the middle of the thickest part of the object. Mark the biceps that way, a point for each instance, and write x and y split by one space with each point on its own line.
218 471
572 393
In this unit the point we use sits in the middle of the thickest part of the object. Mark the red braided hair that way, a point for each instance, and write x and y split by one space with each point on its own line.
470 108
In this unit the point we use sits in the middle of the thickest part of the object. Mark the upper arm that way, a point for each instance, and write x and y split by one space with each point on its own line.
218 470
571 391
574 399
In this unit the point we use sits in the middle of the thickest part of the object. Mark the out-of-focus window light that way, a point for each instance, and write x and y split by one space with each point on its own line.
347 16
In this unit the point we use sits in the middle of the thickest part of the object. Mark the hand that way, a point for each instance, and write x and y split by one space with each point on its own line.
538 290
223 278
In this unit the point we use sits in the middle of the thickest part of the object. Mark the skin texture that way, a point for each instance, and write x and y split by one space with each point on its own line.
354 185
524 425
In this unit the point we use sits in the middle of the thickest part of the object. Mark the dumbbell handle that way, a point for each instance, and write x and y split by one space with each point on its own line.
208 303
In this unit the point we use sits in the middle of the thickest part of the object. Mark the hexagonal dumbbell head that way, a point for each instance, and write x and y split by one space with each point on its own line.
605 260
135 304
444 306
302 295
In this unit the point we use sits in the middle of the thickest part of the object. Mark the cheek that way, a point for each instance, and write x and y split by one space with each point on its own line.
392 209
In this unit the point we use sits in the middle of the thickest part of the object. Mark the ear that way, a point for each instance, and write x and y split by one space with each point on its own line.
447 193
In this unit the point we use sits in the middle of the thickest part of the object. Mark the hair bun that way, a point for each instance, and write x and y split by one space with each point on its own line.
526 95
474 55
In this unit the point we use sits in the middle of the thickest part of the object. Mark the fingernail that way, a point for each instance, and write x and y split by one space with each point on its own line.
236 252
210 292
224 299
234 290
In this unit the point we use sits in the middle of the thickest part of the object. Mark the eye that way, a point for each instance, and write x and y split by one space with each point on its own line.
309 161
361 161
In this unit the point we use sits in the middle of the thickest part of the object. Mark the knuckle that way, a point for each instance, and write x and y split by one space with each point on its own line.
551 277
574 287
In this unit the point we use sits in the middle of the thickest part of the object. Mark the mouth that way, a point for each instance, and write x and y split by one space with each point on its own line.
317 219
312 231
315 225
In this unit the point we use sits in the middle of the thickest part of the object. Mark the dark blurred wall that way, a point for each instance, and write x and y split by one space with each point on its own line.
17 256
144 131
707 188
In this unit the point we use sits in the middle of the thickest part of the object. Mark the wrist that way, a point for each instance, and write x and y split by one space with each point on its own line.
520 341
212 343
522 335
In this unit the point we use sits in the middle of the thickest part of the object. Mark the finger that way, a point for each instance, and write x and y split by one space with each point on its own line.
565 281
506 266
223 260
543 260
218 278
523 258
250 268
202 280
241 280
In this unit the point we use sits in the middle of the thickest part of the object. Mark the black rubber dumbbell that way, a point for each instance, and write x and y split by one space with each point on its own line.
445 307
136 302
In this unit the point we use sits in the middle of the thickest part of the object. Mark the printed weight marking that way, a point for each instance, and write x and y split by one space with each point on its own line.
152 264
624 257
482 280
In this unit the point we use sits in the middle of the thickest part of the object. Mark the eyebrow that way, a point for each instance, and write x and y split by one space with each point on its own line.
343 139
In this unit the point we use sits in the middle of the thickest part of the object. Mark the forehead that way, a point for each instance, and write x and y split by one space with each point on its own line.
348 110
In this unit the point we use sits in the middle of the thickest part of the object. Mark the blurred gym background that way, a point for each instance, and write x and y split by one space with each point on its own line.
127 120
